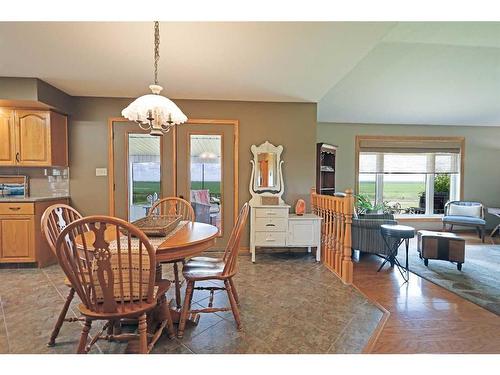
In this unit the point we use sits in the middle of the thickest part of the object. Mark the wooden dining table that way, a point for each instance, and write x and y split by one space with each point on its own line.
190 240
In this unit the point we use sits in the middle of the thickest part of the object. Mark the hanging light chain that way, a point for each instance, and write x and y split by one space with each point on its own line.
157 49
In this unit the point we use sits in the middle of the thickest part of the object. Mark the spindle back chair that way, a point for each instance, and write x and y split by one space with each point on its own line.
120 281
54 219
174 206
201 269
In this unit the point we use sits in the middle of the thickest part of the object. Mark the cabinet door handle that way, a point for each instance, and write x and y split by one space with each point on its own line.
14 208
18 157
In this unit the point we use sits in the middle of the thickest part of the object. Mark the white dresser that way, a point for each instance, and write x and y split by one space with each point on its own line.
270 223
273 226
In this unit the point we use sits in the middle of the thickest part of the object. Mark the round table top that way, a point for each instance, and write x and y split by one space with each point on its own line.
192 239
192 233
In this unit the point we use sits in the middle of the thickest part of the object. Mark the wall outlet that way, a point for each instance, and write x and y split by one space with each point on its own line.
101 172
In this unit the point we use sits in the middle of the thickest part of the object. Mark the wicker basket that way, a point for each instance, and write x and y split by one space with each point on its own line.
158 225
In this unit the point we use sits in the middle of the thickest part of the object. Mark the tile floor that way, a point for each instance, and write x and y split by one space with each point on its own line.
289 304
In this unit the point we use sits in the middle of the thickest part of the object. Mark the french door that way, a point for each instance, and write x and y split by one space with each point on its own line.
207 173
197 161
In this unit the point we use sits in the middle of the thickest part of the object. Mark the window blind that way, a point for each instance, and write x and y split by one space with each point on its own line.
409 155
408 163
410 145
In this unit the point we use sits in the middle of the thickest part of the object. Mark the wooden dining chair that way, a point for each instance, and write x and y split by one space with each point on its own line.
174 206
120 281
205 268
54 220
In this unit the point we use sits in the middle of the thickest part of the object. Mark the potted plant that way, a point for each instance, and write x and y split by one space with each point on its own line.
364 205
441 193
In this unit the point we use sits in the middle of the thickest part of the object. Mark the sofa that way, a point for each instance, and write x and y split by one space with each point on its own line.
464 213
366 236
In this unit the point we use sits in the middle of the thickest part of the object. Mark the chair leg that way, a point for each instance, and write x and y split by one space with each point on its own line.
177 286
451 228
60 319
143 335
235 292
170 324
234 305
482 234
185 308
444 227
83 338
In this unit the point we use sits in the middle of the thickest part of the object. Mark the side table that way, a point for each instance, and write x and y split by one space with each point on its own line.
394 236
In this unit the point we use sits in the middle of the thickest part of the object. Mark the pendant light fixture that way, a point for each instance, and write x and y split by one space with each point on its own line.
154 112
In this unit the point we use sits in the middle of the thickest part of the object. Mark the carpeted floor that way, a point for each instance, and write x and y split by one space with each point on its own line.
479 280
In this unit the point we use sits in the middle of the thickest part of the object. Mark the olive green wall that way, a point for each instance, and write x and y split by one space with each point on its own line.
33 93
292 125
482 154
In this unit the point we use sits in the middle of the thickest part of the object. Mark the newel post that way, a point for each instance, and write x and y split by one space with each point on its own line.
347 266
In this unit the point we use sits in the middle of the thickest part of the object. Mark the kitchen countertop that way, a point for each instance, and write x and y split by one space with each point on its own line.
17 199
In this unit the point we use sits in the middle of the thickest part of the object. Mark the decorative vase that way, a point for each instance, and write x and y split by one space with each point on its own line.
300 207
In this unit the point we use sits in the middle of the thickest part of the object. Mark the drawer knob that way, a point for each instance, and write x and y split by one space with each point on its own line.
270 240
14 208
270 225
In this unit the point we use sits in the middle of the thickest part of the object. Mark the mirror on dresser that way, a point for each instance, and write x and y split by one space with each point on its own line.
266 182
271 224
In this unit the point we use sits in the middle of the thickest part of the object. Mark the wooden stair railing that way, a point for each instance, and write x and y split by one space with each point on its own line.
336 212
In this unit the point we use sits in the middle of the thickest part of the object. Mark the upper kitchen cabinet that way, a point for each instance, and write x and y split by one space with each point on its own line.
33 138
7 137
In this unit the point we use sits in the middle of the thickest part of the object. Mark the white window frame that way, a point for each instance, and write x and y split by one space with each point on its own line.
456 180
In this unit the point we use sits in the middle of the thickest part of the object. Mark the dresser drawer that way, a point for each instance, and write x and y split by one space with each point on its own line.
271 212
17 208
270 238
270 224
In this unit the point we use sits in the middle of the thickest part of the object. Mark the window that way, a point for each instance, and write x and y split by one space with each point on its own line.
409 175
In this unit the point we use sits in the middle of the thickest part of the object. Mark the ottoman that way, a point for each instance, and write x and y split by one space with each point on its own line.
441 246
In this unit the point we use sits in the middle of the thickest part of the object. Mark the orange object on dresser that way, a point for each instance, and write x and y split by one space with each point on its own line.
300 207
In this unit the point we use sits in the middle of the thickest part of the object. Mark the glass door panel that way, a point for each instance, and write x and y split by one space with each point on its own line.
144 174
143 169
206 193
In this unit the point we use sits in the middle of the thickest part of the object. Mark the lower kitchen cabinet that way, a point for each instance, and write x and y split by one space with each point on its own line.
21 238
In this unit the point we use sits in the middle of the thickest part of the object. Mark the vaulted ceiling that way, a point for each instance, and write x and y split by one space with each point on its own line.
382 72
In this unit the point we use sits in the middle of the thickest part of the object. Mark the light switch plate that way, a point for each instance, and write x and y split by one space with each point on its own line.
101 172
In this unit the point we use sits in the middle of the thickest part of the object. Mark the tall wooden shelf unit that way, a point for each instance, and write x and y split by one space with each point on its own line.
325 168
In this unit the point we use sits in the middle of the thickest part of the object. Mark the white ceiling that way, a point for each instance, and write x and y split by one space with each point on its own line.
423 73
382 72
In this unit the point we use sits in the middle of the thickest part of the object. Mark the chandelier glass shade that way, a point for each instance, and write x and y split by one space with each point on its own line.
154 112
